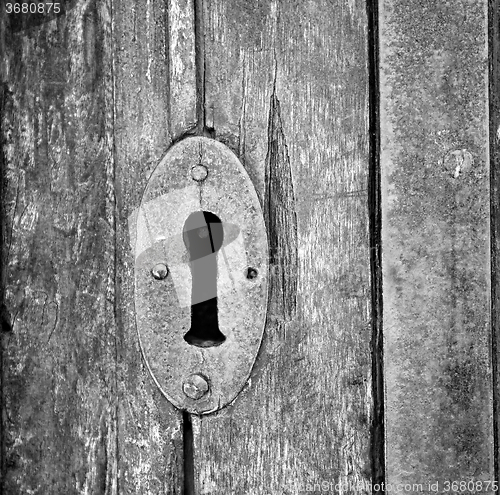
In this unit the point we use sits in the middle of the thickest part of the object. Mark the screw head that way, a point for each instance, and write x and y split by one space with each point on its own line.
160 271
195 386
251 273
458 162
199 172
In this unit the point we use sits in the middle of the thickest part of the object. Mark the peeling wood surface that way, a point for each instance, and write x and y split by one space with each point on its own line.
290 99
435 238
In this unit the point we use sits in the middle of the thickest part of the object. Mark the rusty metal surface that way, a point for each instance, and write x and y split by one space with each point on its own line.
178 188
435 243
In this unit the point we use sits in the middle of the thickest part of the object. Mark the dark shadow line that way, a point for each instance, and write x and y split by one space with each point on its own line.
199 56
201 128
5 324
377 444
187 430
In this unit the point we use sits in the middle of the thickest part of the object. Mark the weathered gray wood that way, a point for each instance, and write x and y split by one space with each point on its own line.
148 111
91 102
435 238
286 88
59 381
494 114
182 66
85 118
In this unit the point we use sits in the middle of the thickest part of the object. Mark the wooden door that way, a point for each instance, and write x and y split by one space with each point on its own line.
364 129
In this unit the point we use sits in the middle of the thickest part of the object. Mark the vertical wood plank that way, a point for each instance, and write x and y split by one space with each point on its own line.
153 66
86 116
494 133
291 100
435 238
182 67
59 383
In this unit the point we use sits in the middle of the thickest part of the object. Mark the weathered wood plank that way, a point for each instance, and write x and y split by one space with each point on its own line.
291 100
59 385
435 238
182 67
494 113
154 101
86 117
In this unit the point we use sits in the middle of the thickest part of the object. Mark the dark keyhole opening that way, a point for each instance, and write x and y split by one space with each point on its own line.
203 236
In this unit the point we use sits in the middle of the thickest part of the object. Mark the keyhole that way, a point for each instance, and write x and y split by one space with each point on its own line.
203 235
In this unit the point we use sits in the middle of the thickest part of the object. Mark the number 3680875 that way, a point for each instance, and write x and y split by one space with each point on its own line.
33 8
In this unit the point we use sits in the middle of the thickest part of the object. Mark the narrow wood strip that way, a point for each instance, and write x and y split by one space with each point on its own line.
6 326
436 249
494 113
150 428
181 88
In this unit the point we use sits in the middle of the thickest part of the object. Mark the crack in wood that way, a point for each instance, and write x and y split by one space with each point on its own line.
187 434
281 218
199 44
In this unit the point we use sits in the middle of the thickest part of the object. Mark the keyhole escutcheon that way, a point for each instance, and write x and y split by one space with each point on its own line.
201 271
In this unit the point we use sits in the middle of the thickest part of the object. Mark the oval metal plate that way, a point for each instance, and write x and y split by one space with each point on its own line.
163 307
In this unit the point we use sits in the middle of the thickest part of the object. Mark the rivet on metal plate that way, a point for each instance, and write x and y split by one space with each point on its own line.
200 231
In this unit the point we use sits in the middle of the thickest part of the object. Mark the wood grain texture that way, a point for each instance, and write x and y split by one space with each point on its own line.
282 90
281 219
435 238
494 149
59 384
182 92
150 429
85 118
